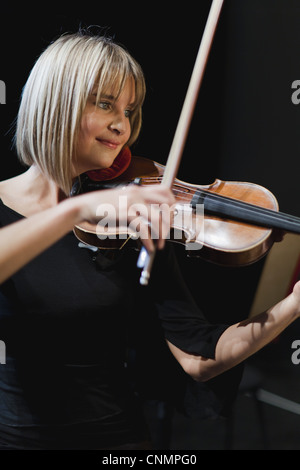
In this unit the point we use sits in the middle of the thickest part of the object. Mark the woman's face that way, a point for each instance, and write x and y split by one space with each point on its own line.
105 129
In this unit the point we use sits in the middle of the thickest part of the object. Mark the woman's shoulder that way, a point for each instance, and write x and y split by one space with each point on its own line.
8 188
10 193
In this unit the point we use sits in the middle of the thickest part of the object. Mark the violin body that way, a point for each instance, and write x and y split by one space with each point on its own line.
219 236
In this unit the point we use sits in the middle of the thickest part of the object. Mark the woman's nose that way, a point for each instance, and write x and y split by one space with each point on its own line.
119 124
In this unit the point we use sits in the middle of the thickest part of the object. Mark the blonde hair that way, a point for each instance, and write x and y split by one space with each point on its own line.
55 96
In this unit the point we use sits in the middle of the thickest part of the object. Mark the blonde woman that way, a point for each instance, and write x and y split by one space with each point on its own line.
68 315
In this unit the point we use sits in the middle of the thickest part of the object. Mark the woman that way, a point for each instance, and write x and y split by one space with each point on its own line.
69 316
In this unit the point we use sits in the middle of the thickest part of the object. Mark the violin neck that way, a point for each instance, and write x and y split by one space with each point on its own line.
222 206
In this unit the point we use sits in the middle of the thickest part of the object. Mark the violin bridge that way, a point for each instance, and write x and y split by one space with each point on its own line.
188 223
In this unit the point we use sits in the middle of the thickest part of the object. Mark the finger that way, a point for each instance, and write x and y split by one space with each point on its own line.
141 228
158 194
161 222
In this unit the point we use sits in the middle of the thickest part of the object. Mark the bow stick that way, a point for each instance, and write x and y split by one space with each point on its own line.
146 259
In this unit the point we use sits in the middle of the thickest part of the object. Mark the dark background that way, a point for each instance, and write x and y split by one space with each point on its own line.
245 126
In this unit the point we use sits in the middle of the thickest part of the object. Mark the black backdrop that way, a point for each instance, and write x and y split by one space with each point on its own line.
245 126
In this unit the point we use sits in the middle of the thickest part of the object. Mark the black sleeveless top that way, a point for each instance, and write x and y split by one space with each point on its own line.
84 342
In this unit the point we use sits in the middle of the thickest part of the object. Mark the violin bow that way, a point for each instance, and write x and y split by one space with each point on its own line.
146 259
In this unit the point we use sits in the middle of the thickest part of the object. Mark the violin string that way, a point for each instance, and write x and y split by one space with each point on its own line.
253 208
242 204
174 189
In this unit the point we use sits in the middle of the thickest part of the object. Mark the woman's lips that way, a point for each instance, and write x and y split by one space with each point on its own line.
109 143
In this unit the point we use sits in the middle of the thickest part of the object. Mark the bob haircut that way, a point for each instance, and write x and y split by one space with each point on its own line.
56 93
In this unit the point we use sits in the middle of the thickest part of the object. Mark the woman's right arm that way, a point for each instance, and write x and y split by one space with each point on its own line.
22 241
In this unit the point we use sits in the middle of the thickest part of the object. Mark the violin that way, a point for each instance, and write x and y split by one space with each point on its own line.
238 226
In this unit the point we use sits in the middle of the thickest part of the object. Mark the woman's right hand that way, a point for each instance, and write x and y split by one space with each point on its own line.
145 210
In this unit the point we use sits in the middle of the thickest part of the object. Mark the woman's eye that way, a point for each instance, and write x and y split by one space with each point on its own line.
104 105
128 113
107 106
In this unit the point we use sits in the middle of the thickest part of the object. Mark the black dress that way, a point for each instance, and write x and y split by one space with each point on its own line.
85 343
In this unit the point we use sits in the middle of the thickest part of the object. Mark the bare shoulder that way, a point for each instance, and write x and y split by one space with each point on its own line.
8 187
10 192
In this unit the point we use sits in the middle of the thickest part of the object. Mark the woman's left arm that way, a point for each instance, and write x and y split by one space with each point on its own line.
241 340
